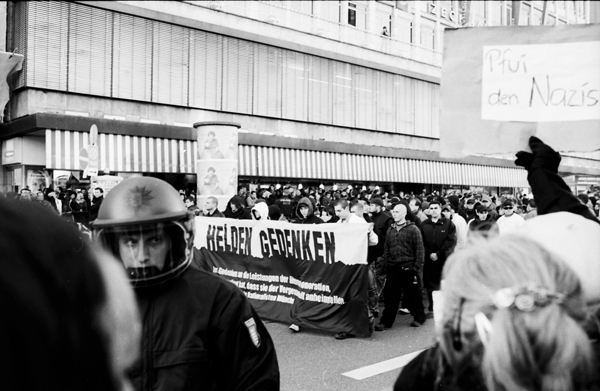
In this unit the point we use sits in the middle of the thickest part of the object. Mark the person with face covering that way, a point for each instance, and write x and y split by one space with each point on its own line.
305 213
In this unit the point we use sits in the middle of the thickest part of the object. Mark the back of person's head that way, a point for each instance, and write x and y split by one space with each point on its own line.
55 331
514 308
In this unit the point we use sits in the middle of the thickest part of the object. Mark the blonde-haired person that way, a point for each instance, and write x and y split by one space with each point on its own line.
510 320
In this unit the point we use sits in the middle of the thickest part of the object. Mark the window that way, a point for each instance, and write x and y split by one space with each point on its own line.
357 15
352 14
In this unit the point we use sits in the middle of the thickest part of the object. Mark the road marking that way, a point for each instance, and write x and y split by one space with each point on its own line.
381 367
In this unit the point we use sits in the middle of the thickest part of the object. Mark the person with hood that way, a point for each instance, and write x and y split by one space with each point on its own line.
260 211
235 209
305 212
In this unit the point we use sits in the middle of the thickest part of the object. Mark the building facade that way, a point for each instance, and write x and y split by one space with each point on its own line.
325 92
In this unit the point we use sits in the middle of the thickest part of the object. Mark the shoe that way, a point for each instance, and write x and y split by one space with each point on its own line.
344 335
403 311
381 327
429 315
294 327
414 323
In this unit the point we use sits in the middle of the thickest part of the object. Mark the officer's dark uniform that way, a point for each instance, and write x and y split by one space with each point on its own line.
199 332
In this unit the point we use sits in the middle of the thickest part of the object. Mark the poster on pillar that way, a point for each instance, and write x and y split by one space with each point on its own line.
311 275
501 85
217 162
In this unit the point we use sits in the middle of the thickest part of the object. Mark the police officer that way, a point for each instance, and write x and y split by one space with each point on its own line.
199 331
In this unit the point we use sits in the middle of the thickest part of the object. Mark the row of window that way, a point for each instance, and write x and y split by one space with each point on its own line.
77 48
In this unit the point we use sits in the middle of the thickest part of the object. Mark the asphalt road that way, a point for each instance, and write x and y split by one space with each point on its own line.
313 360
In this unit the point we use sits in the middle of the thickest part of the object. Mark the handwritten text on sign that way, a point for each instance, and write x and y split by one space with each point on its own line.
537 83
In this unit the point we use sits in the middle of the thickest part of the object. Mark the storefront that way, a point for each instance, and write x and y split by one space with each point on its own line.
51 145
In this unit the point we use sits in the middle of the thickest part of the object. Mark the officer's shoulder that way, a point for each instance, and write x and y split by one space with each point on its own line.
211 281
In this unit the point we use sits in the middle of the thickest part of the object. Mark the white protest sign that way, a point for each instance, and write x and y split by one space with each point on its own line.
536 83
501 85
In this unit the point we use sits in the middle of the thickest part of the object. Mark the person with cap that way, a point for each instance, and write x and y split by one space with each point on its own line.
482 222
199 331
509 221
486 200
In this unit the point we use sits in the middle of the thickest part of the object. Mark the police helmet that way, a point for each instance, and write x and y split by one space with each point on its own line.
146 225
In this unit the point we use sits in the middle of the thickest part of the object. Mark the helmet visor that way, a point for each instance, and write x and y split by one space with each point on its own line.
150 252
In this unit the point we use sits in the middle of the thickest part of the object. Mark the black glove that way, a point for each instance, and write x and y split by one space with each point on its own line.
543 156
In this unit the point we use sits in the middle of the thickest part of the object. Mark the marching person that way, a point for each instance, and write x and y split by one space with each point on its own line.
211 206
199 331
342 210
403 259
439 239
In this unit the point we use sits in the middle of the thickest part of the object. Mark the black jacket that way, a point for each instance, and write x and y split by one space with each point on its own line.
200 332
241 212
310 217
439 238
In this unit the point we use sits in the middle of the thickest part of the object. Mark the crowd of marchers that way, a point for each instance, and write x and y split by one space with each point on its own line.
515 310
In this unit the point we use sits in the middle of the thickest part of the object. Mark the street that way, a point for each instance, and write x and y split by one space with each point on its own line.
312 360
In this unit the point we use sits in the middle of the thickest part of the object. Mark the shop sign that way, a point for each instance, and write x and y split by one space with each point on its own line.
448 13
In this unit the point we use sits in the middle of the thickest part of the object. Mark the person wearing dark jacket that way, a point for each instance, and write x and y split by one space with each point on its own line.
96 202
199 331
483 222
439 238
236 210
305 213
286 204
79 209
212 208
403 259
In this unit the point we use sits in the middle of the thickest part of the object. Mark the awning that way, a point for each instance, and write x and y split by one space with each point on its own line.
121 153
124 153
293 163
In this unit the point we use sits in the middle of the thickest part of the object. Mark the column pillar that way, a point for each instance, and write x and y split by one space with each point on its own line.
217 161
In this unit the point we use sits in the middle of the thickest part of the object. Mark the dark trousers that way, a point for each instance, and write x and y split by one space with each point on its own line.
398 282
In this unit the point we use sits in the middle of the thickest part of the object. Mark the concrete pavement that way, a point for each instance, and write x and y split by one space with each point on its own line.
313 360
